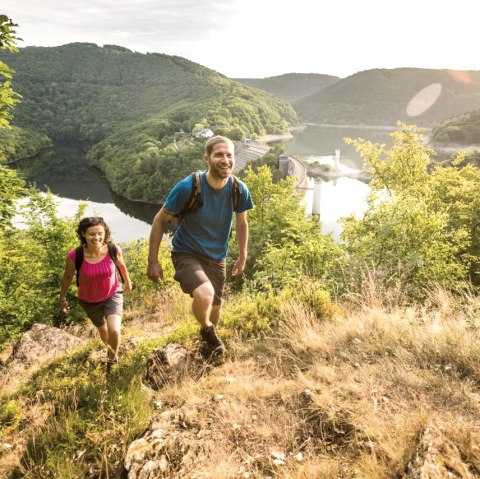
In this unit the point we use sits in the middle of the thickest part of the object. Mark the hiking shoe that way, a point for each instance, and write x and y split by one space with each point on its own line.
110 363
213 345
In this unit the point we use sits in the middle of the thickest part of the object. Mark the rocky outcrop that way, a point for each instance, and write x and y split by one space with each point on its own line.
175 446
170 363
437 458
38 346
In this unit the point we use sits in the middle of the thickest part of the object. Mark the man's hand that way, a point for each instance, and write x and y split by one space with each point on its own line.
155 271
238 267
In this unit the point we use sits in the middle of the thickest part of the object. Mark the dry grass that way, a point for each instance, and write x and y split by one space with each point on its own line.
347 397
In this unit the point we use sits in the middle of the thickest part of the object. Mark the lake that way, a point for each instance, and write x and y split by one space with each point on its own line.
64 172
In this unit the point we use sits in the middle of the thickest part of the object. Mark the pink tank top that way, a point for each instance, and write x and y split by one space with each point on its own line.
96 282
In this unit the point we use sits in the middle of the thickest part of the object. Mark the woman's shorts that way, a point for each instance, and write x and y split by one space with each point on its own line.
192 270
97 312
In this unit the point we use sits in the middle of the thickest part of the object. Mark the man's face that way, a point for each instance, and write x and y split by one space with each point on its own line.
221 161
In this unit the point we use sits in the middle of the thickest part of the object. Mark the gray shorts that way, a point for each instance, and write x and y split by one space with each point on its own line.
192 270
97 312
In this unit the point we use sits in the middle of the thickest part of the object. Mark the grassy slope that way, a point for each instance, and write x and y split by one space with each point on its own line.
343 396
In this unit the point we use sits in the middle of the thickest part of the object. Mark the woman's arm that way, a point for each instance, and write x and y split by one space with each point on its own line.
68 275
127 287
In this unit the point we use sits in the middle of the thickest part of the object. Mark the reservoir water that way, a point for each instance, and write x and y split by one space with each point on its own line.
64 172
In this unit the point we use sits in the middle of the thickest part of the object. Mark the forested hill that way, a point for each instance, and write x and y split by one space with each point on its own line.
140 112
384 96
462 129
291 86
82 91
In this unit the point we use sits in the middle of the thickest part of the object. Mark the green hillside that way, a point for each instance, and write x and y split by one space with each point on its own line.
291 86
82 91
382 97
462 129
86 93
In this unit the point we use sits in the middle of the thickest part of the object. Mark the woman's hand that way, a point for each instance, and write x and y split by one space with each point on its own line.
64 308
127 287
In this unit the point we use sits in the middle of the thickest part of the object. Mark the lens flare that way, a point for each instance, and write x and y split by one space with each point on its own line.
424 99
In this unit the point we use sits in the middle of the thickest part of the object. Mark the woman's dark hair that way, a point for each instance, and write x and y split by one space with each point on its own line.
85 223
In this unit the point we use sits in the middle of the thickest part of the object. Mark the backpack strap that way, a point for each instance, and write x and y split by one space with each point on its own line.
195 199
78 260
112 251
235 191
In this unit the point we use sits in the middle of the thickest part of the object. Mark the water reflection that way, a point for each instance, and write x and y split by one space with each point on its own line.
64 172
324 140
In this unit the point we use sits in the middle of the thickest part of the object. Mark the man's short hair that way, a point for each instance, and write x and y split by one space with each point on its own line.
214 140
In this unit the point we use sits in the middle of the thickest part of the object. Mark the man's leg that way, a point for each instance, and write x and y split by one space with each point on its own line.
202 303
215 313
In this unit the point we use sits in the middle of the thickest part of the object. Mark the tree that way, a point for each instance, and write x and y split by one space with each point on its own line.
8 98
410 232
284 241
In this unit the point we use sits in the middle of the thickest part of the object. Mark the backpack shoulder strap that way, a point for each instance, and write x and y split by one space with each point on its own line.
112 251
195 199
235 191
78 260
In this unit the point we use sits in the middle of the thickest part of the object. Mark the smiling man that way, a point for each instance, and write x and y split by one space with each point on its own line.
200 243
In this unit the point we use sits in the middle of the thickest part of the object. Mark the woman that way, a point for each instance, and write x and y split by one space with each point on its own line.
99 290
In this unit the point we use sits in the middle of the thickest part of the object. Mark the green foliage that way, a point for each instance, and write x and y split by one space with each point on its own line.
291 86
17 143
11 416
284 241
33 260
87 422
84 92
462 129
11 189
244 317
384 96
135 256
8 98
144 162
411 230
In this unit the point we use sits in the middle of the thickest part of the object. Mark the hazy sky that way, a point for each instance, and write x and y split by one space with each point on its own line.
261 38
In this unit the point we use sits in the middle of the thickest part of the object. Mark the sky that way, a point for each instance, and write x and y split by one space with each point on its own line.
263 38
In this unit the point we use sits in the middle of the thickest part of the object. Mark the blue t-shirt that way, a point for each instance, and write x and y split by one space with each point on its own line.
206 231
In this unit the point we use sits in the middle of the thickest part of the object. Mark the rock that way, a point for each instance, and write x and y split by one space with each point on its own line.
173 447
38 346
437 458
170 363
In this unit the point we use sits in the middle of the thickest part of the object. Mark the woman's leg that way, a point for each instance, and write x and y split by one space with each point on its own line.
113 325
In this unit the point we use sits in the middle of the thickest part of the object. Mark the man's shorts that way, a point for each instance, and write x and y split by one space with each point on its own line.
192 270
97 312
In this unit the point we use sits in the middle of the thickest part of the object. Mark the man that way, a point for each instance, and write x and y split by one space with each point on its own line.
200 242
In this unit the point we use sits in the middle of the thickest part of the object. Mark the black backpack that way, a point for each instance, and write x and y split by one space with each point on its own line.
112 251
195 200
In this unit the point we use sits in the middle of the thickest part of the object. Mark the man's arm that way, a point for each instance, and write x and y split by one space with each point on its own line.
241 227
154 268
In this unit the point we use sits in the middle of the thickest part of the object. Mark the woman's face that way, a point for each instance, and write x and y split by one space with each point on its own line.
95 235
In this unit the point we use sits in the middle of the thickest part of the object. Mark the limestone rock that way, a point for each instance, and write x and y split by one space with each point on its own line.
437 458
39 345
169 364
174 447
